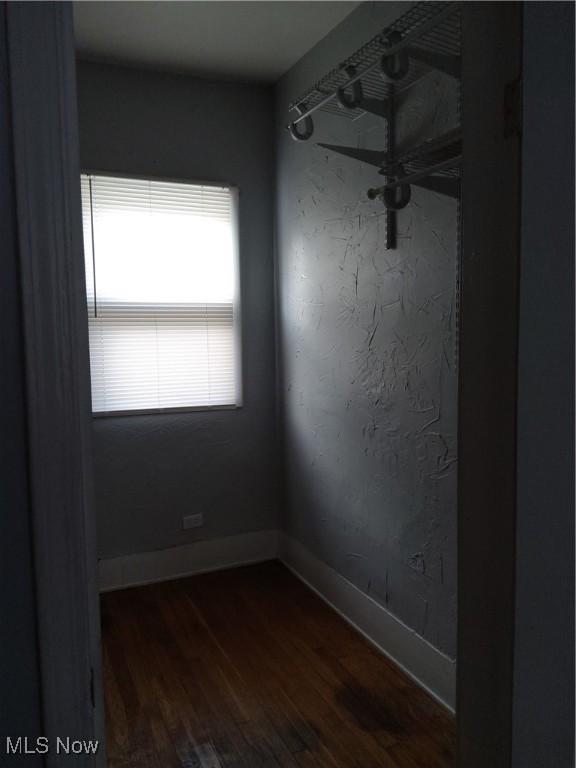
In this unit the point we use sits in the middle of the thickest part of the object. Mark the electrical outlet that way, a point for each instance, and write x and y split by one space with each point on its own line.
192 521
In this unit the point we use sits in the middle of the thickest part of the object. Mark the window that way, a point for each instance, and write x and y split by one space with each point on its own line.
161 281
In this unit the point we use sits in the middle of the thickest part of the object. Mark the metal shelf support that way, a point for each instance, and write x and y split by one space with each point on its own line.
425 38
443 62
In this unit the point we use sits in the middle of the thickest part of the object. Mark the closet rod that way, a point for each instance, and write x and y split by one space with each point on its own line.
408 40
412 178
416 176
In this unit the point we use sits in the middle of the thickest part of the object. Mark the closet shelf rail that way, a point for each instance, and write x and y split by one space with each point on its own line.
433 165
425 37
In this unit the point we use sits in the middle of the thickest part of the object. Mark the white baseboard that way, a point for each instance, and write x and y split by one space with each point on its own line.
186 560
426 665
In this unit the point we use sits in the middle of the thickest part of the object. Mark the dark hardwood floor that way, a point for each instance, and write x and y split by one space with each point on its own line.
249 668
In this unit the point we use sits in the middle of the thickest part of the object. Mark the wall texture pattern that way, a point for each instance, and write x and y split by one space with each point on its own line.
367 343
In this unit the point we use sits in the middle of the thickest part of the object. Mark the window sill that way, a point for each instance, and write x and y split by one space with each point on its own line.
165 411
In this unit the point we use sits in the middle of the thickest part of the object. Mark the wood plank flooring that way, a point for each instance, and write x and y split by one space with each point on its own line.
248 668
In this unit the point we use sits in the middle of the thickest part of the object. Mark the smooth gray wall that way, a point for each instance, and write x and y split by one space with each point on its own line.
152 470
367 351
543 724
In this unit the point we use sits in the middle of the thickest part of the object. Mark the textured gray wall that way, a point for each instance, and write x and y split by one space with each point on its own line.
152 470
367 353
544 630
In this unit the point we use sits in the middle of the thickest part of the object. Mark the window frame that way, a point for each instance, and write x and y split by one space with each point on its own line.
235 199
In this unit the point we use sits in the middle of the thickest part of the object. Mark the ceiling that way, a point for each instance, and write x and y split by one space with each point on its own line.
210 38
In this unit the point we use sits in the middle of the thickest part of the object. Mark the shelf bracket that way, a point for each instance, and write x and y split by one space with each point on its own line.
398 179
357 100
380 107
428 36
370 156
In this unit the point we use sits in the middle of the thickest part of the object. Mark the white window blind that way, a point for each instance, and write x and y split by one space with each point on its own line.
161 289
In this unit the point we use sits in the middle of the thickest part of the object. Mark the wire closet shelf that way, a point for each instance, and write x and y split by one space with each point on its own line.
426 38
